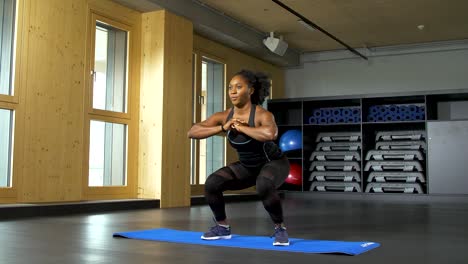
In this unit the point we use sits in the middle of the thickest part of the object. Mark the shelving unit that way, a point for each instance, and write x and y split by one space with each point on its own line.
402 143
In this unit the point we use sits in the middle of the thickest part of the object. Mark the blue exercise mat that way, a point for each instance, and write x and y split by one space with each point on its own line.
252 242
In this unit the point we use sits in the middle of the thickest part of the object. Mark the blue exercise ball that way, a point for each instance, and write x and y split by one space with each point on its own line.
291 140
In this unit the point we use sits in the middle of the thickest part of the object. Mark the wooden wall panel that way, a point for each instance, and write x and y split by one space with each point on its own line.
165 108
53 100
178 41
151 105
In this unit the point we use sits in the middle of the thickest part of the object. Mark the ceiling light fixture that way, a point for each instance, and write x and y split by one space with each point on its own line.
276 45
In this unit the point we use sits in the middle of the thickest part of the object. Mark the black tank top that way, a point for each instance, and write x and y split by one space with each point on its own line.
251 152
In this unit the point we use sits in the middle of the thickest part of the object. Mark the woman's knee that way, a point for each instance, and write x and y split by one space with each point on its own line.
213 183
265 186
277 171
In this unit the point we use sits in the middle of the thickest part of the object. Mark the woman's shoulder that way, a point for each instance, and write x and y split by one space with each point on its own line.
263 114
260 110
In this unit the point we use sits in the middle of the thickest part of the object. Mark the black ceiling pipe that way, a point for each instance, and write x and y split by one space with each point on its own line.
312 24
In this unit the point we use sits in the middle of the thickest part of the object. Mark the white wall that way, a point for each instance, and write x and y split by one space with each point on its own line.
423 67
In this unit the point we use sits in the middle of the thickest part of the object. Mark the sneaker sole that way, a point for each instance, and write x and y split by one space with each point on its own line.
216 238
280 244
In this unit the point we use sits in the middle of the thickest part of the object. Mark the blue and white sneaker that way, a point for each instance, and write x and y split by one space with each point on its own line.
217 232
281 237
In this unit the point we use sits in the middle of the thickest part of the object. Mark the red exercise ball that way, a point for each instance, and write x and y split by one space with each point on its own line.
295 174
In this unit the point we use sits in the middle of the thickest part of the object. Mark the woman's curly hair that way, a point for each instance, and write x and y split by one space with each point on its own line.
261 84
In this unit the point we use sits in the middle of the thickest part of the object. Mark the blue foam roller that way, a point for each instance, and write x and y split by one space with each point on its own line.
326 112
350 119
416 116
346 112
382 115
413 116
413 108
408 113
406 117
383 110
338 116
317 113
393 109
380 118
341 120
356 112
371 118
421 109
419 116
389 117
322 120
403 109
336 112
374 109
380 109
357 119
312 120
332 120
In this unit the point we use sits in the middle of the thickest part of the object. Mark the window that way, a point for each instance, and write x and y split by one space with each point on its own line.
108 118
107 155
7 36
208 154
110 69
6 146
7 99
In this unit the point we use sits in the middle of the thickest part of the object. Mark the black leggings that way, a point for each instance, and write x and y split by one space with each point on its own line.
236 176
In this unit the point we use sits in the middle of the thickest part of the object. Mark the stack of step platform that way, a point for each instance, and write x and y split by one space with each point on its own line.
397 162
336 162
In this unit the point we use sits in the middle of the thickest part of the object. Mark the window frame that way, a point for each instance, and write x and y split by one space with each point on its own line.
92 192
129 98
16 44
125 147
10 191
13 103
17 41
129 118
196 187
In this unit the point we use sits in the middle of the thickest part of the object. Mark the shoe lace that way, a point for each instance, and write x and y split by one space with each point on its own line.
215 229
277 231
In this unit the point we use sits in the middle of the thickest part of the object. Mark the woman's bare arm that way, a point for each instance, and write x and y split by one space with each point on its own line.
210 127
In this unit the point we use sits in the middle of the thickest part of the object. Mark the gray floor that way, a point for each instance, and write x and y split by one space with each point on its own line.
410 232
